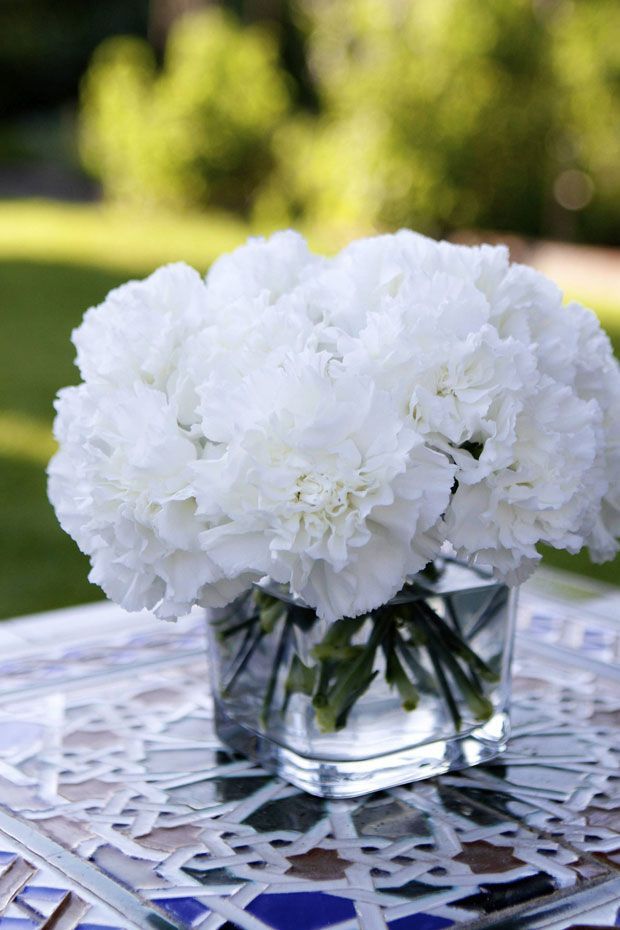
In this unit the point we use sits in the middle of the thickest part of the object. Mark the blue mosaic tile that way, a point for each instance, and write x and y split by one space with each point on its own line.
33 893
301 909
420 921
17 923
97 927
188 910
126 776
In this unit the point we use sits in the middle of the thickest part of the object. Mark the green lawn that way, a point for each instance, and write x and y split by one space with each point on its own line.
55 261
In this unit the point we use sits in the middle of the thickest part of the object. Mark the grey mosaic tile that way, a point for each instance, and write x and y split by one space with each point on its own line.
108 757
34 896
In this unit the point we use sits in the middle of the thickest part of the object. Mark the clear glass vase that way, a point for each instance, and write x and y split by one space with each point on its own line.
417 687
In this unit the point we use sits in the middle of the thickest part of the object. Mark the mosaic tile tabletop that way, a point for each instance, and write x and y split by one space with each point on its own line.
120 809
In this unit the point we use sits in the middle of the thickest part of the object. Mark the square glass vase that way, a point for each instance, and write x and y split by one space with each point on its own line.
416 687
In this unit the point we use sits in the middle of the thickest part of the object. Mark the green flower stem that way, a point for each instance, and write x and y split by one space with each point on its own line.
336 644
480 705
456 644
341 670
326 670
454 619
301 679
258 635
422 677
270 614
395 674
442 680
487 614
273 677
236 627
249 631
353 678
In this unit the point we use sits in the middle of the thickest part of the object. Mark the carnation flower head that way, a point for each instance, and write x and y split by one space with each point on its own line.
369 272
138 330
597 378
529 307
269 268
546 493
324 487
459 382
121 486
332 422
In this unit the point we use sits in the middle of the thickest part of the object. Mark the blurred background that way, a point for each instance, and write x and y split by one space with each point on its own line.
134 132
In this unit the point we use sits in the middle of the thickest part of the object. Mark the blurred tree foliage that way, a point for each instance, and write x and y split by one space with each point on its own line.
457 113
435 114
586 58
196 130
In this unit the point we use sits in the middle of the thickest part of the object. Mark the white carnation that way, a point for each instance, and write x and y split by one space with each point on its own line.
371 272
256 313
323 487
546 494
528 307
597 378
137 332
253 335
268 268
121 486
461 384
331 422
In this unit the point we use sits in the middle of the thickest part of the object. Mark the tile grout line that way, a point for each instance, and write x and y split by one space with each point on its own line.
504 920
86 876
544 834
488 922
569 656
49 687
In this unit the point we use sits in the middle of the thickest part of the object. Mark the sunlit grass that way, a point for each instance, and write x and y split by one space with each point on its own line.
25 438
111 238
55 261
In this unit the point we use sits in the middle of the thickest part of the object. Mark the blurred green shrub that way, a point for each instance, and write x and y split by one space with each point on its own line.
454 113
437 114
195 131
585 44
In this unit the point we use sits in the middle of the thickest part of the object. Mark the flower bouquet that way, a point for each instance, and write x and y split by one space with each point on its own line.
350 460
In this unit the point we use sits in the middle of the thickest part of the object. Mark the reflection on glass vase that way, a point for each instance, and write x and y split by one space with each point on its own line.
417 687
